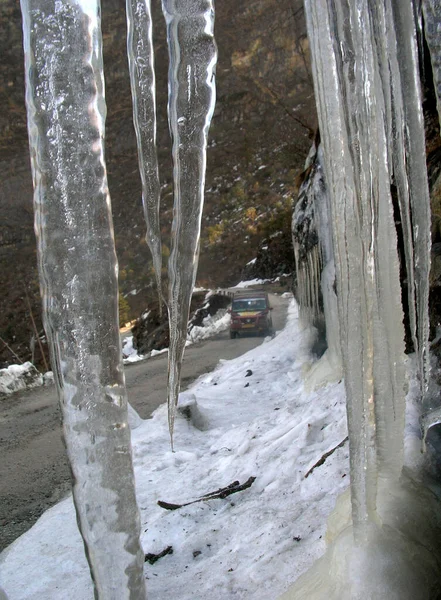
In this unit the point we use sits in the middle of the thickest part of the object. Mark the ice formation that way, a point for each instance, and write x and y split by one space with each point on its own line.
432 29
142 79
193 55
366 78
314 255
78 274
363 112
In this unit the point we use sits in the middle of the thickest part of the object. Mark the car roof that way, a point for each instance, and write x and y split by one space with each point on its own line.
241 295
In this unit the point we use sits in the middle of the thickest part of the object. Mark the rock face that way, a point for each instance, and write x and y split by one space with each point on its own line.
274 258
151 331
259 138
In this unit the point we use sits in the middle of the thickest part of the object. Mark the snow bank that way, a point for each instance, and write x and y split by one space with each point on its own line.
130 354
211 325
19 377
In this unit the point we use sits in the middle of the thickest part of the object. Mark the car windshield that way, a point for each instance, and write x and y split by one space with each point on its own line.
249 304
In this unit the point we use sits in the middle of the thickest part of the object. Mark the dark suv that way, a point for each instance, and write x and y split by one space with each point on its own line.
250 313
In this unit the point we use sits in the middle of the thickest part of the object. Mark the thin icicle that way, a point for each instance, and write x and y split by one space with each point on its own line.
193 56
432 30
142 79
78 275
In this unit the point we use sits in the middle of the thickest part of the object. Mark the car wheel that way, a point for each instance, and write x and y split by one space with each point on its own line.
233 334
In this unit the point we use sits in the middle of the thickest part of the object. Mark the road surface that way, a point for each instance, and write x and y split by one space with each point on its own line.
34 472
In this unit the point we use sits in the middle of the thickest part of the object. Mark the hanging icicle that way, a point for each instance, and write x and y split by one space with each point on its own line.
306 245
432 31
78 275
397 54
142 79
193 56
351 115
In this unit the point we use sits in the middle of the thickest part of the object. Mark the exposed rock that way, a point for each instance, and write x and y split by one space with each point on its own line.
275 258
214 303
151 331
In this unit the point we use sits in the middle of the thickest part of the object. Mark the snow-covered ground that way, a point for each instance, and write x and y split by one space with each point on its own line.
212 325
251 417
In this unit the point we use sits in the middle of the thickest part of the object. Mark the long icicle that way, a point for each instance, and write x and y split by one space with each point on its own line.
432 28
352 123
193 56
142 80
78 275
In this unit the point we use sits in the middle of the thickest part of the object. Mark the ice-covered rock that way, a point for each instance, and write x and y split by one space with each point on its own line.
19 377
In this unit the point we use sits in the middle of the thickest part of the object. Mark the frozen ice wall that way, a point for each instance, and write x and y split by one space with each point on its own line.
315 268
78 275
193 55
366 77
307 251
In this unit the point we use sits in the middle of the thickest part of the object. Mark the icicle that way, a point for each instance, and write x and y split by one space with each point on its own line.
78 274
193 55
432 30
307 252
351 116
408 155
142 79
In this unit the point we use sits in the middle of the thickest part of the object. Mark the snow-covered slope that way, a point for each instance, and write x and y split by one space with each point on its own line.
251 418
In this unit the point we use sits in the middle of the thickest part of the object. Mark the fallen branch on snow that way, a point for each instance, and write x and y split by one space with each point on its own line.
325 456
221 493
152 558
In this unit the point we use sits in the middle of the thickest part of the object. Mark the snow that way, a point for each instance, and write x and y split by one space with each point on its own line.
19 377
130 354
250 545
250 282
211 325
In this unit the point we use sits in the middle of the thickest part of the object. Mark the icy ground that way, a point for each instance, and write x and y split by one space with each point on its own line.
254 419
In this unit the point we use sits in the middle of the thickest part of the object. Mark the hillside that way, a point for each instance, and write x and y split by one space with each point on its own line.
260 135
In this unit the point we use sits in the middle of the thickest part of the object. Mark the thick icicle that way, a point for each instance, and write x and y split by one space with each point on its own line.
142 79
78 274
351 115
397 52
432 30
193 56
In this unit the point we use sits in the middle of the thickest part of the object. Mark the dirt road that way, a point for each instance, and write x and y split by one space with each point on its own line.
34 473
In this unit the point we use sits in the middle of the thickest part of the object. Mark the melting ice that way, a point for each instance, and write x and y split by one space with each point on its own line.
78 275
